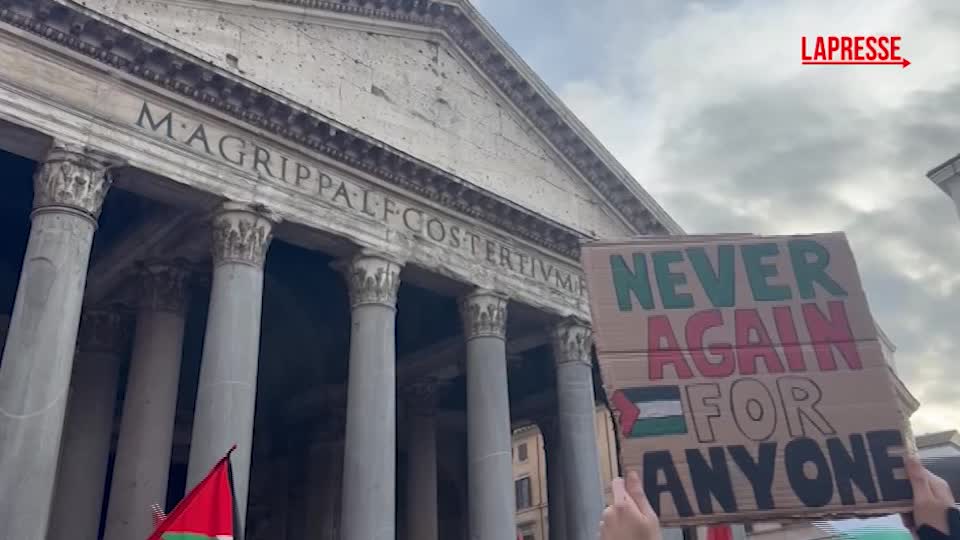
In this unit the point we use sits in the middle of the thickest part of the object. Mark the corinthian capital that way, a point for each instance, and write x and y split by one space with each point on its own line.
104 330
71 178
484 314
163 287
241 234
372 278
572 340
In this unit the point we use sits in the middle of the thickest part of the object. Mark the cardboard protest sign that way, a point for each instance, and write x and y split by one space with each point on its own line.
747 377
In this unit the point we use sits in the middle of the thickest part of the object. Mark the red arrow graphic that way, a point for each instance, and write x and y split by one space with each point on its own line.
903 62
628 412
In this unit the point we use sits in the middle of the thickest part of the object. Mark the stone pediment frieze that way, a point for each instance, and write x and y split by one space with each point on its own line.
121 47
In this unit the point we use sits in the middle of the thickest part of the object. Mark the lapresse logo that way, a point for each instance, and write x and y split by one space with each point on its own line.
851 51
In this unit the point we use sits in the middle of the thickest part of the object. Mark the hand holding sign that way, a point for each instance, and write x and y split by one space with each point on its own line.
630 517
932 498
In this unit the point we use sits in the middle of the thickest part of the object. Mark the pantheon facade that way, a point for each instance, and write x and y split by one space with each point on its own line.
340 234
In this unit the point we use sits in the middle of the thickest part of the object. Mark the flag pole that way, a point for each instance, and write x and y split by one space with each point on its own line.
238 531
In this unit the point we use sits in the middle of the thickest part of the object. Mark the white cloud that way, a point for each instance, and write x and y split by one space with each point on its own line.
707 105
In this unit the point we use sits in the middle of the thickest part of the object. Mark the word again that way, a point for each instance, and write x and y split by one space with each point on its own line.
690 354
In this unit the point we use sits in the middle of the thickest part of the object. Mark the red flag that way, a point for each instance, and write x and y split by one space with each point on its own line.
206 513
719 532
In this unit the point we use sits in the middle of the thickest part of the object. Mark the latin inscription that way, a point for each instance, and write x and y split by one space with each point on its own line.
272 166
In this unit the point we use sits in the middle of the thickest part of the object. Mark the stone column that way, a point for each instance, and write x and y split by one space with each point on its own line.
69 189
489 447
576 410
556 496
422 516
369 464
88 429
142 464
228 371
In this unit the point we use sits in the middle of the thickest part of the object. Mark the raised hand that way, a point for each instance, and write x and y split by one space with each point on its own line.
932 498
630 517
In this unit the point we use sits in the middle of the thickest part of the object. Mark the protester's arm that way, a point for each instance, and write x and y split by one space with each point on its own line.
934 515
928 532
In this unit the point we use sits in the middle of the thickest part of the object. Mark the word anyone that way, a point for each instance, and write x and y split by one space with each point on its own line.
817 472
363 201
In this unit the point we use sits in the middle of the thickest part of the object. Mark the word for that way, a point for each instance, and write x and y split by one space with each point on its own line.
757 410
753 343
852 48
816 473
365 202
807 258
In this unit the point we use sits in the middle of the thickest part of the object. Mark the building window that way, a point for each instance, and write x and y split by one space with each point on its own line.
526 532
522 452
522 487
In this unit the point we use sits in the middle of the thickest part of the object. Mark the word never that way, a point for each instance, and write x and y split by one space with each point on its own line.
808 258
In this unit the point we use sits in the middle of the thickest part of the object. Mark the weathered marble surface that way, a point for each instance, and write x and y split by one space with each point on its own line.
72 102
410 89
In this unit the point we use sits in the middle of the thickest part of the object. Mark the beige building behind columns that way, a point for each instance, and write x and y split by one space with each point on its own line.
530 474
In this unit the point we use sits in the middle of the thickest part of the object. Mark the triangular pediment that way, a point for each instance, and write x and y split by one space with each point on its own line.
406 83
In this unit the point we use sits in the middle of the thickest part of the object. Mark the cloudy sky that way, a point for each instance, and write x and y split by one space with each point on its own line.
707 105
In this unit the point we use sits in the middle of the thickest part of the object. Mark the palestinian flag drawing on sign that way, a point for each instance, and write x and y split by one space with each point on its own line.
206 513
650 411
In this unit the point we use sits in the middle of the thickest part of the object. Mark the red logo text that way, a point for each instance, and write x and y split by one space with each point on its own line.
851 50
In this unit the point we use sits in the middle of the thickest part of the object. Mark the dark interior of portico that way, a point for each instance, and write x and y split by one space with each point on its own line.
304 344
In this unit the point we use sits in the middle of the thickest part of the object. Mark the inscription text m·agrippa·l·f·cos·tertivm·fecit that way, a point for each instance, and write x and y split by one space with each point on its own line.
270 165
